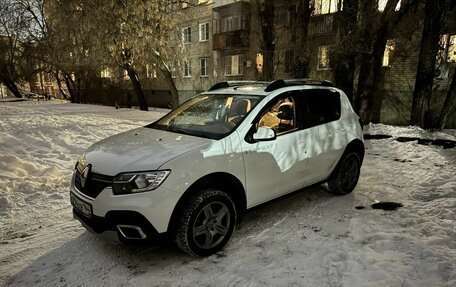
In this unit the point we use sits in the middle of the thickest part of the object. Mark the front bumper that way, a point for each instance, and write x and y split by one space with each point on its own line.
113 219
149 211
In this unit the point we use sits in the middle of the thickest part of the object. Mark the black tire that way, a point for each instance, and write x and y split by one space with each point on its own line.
346 175
206 223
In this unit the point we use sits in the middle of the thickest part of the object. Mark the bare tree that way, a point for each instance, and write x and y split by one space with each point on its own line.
449 103
13 43
422 111
301 55
135 34
344 55
264 12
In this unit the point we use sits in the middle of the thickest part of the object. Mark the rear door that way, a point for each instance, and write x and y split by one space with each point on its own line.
322 116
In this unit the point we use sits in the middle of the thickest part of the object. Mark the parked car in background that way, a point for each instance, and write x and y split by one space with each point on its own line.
191 175
34 96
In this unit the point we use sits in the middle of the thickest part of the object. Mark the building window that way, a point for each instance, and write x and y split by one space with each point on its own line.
323 57
259 62
202 1
124 75
105 73
187 69
326 6
187 35
204 64
231 23
447 52
382 5
389 52
185 4
151 72
233 65
204 32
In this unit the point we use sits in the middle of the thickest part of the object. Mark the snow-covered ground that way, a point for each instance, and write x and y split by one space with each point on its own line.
311 238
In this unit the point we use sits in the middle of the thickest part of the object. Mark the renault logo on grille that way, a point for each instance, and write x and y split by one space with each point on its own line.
85 175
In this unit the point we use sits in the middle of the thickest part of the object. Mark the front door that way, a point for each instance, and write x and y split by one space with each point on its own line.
279 166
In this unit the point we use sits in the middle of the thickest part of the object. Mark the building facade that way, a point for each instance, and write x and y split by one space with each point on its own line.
235 40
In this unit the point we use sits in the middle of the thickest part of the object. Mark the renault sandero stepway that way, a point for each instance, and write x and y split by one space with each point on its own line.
191 175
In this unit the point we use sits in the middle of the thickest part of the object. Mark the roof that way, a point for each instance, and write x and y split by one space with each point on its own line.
264 88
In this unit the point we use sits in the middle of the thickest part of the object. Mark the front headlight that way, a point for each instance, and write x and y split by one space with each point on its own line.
138 182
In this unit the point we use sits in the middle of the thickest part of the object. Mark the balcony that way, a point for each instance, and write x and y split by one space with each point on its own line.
231 40
322 25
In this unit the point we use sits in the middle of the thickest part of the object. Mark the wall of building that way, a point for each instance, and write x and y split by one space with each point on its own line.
193 52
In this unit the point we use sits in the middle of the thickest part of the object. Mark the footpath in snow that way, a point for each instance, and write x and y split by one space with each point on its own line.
310 238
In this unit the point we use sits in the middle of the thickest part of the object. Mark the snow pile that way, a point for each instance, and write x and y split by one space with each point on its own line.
311 238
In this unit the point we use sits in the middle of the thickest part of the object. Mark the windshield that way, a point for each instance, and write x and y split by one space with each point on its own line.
210 116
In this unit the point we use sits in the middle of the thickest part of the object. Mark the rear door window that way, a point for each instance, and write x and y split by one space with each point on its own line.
321 106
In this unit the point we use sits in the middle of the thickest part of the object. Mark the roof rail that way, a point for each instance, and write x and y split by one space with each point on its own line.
228 84
277 84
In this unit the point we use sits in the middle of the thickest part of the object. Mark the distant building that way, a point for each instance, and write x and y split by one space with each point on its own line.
237 55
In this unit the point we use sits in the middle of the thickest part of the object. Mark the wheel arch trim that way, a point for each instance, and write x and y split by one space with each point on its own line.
218 180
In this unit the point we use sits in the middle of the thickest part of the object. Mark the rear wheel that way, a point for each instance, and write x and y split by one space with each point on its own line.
346 175
206 223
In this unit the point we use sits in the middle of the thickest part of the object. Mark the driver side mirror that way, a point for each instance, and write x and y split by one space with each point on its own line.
264 134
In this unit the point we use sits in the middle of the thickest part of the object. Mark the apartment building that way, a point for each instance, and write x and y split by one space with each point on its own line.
237 51
193 65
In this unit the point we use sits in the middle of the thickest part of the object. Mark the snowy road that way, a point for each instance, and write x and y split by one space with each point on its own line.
311 238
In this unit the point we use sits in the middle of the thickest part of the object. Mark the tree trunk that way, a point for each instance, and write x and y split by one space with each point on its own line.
268 45
301 55
59 84
374 72
370 70
426 64
11 85
172 87
449 104
74 93
137 87
344 59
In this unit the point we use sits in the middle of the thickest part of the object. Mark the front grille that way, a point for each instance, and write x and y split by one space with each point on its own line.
95 183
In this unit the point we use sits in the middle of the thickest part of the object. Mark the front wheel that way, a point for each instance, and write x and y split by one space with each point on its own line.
346 175
206 223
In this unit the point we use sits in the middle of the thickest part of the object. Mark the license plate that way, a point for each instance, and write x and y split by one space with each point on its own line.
81 206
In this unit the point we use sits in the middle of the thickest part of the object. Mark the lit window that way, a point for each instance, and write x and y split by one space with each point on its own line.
451 55
447 52
204 32
388 54
202 1
382 5
259 62
151 72
124 75
105 73
233 65
323 57
326 6
204 63
187 69
187 35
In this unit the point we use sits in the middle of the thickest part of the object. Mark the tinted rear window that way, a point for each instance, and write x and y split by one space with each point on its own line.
323 106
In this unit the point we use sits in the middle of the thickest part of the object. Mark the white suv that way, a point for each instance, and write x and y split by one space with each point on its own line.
191 175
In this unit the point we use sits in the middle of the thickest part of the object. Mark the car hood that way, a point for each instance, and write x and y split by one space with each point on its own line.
141 149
